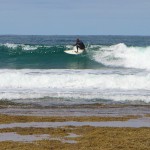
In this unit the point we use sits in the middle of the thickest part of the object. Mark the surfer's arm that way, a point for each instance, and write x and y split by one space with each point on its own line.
75 44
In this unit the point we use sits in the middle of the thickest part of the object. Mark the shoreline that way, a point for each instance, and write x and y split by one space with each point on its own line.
77 135
113 110
94 126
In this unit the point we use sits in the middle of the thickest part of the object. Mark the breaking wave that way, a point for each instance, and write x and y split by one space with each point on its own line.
120 55
79 84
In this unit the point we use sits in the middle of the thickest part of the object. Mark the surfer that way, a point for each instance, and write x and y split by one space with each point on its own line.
79 44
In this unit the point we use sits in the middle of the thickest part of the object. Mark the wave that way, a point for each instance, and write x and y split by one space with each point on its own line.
18 49
97 56
67 79
121 55
79 84
19 56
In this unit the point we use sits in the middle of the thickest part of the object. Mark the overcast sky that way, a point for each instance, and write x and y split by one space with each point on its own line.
75 17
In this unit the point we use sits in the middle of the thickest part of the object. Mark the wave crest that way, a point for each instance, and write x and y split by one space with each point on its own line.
121 55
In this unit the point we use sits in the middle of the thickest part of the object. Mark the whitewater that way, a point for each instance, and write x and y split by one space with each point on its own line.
114 69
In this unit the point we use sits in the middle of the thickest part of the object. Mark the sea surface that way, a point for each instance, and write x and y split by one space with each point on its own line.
114 69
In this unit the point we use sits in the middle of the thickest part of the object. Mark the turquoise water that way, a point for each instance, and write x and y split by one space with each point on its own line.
113 69
17 56
17 52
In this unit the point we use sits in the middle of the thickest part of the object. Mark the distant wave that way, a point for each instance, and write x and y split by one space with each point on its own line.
14 49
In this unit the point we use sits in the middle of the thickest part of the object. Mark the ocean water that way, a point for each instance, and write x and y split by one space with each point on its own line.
114 69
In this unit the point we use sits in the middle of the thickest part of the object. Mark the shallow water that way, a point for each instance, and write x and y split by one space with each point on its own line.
12 136
135 123
82 110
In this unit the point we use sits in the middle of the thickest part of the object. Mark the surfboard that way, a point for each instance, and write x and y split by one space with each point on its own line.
74 51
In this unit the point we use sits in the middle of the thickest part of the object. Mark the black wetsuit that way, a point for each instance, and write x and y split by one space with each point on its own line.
80 44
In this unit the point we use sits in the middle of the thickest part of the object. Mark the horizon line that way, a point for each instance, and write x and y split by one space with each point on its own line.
69 35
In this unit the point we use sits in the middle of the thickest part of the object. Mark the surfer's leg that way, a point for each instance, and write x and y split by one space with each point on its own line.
77 48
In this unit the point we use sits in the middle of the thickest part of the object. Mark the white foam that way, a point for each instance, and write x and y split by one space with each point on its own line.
23 84
10 45
28 47
24 47
123 56
48 79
